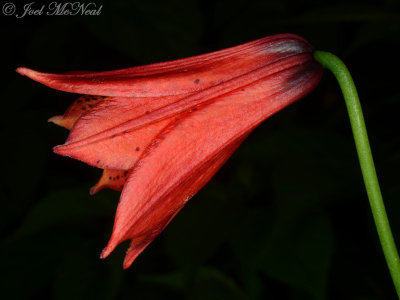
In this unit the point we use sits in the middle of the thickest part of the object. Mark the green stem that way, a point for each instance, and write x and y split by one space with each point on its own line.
339 70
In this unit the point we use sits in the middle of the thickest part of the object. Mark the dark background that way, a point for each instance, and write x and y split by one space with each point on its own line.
286 218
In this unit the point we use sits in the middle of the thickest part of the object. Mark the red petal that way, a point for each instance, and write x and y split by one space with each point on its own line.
152 224
191 150
178 77
126 146
121 150
114 112
108 148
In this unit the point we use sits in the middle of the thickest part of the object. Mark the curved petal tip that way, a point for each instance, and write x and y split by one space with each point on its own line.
58 120
133 252
112 244
60 149
94 189
27 72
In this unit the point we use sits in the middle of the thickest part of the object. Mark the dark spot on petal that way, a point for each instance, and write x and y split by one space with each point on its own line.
113 178
98 161
87 99
83 107
197 81
194 109
137 149
242 90
121 187
110 178
114 135
147 112
90 105
117 176
126 173
79 101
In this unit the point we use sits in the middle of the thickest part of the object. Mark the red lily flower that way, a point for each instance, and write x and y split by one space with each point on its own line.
161 131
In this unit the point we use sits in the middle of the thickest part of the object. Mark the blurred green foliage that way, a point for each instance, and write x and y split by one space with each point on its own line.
286 218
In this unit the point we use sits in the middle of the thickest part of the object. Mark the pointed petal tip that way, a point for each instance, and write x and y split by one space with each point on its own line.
22 70
60 149
127 263
131 254
56 120
136 247
56 149
93 190
104 253
112 244
26 72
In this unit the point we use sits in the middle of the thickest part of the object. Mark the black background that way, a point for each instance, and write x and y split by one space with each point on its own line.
286 218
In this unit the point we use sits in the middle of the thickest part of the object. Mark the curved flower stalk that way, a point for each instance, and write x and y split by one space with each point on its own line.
161 131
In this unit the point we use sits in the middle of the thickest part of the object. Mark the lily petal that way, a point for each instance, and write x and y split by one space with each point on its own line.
114 112
178 77
120 151
153 224
126 146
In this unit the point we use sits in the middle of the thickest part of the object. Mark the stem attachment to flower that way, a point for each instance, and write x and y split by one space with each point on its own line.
342 74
